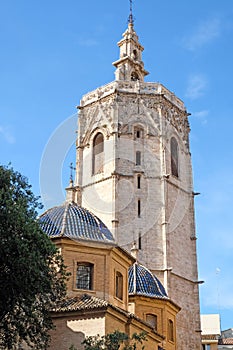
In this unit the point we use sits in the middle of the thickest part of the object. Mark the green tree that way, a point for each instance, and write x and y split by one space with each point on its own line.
113 341
32 273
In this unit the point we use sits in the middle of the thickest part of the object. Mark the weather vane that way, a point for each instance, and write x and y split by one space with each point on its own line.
71 171
131 18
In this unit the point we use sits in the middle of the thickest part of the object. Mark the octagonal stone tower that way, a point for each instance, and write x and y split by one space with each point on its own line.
134 172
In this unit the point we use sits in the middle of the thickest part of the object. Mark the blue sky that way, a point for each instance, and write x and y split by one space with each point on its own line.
52 52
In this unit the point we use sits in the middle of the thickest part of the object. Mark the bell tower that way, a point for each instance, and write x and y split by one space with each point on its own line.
130 65
134 172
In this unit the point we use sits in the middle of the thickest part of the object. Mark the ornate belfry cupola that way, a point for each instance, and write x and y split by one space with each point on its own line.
130 66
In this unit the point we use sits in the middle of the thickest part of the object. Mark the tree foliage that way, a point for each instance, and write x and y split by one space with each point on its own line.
32 273
114 341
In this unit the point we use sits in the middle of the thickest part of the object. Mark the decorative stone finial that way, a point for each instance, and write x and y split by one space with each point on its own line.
134 251
70 190
71 173
130 67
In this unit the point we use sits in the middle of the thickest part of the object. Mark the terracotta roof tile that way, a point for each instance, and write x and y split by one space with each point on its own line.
89 302
225 341
82 302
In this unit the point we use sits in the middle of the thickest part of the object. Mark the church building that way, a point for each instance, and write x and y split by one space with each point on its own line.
132 251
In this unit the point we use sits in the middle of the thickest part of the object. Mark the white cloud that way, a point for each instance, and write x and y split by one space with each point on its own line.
205 33
196 86
7 135
201 115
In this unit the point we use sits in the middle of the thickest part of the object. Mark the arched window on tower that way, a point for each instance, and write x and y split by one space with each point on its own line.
174 157
134 76
98 154
138 133
135 55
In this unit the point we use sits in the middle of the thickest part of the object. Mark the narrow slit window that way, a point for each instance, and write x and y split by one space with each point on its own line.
138 158
139 241
139 208
139 181
174 157
138 134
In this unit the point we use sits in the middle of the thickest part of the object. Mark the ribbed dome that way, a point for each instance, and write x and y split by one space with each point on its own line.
71 220
143 282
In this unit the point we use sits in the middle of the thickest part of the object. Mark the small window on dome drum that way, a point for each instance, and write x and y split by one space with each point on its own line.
152 320
119 285
170 330
84 276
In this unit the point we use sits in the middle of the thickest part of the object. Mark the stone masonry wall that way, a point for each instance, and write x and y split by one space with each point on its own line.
164 228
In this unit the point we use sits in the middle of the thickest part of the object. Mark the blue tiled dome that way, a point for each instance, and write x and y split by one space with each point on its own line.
143 282
71 220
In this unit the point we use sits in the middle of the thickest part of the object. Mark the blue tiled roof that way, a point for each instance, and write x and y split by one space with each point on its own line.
71 220
143 282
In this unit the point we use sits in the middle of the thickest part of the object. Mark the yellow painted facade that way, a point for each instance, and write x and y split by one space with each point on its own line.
164 311
127 315
107 260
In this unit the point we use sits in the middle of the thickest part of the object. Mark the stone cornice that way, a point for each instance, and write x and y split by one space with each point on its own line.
137 87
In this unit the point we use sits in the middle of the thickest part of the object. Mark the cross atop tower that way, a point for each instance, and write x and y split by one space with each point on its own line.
131 18
71 172
130 66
